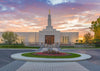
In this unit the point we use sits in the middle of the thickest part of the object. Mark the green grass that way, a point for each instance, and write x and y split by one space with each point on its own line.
67 46
73 55
17 47
72 47
20 48
82 48
26 47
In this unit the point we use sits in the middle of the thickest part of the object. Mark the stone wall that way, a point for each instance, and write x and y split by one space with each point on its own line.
69 37
38 37
27 37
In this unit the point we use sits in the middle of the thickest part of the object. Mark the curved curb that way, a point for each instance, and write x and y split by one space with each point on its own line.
18 56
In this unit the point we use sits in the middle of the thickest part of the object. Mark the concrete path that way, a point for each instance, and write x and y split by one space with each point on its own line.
13 66
66 66
18 56
8 64
51 66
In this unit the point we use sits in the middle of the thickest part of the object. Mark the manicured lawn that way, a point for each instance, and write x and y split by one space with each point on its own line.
72 55
17 47
72 47
82 48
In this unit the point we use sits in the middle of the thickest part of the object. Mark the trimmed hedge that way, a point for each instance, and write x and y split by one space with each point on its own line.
97 42
12 46
97 45
67 46
15 46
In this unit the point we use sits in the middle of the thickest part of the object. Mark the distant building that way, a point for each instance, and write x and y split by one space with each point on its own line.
47 36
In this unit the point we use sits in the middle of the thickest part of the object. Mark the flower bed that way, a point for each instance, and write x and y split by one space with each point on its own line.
62 55
47 54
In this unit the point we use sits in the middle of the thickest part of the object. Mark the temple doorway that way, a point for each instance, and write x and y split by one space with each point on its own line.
49 39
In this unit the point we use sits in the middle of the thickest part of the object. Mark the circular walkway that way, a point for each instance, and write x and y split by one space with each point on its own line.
19 56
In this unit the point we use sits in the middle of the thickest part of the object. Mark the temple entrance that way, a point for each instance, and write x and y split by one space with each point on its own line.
49 39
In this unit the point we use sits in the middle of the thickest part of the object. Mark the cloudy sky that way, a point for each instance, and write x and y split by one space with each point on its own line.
31 15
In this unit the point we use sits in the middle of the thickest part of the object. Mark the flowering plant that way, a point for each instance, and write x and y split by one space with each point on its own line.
51 53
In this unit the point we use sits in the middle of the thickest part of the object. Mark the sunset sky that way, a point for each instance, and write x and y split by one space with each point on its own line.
31 15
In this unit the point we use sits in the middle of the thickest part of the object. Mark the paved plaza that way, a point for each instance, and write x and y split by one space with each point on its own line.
8 64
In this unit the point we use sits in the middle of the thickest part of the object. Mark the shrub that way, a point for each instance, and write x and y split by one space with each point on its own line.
15 46
67 46
97 42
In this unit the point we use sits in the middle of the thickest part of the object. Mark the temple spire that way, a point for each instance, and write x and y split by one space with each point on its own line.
49 20
49 11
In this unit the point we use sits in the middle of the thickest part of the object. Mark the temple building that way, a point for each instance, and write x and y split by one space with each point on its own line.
48 36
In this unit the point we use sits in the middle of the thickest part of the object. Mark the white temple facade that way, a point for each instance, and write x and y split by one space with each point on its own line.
48 36
52 36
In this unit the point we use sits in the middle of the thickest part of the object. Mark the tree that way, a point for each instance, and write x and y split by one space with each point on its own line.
9 37
81 41
95 27
76 41
87 37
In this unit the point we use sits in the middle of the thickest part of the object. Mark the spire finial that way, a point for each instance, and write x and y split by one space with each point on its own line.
49 11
